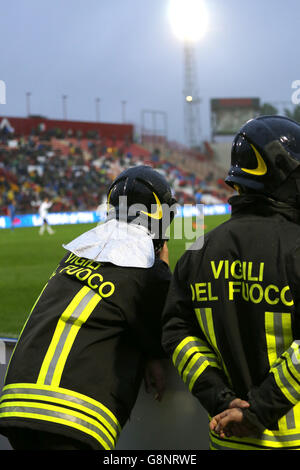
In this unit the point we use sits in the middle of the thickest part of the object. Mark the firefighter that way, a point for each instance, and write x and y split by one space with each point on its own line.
95 329
231 322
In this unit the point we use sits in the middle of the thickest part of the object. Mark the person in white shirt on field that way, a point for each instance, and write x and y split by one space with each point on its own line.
43 212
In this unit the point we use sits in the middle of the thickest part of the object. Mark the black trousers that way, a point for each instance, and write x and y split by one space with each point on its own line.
27 439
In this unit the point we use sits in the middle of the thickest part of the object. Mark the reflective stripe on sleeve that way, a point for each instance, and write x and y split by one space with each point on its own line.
191 357
286 372
267 440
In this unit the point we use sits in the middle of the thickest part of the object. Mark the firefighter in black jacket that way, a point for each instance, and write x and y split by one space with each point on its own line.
76 370
232 317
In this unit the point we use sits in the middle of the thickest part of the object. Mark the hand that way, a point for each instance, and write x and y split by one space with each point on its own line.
238 403
164 253
231 421
155 378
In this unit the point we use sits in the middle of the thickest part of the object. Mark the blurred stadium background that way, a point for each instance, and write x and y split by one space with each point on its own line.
73 162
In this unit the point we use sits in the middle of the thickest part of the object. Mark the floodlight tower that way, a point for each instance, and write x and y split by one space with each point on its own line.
189 22
192 127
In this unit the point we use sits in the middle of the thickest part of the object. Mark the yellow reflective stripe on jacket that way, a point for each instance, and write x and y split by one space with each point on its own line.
89 413
189 341
84 408
283 385
63 393
200 367
59 415
71 320
278 329
205 319
270 337
191 357
187 347
208 355
268 440
186 357
206 323
279 336
286 372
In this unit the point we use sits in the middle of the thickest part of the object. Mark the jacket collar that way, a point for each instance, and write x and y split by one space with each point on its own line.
263 206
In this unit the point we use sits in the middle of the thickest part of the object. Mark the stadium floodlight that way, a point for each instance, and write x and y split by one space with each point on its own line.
188 18
189 22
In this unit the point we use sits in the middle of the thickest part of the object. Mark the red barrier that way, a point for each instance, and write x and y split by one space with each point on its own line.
25 126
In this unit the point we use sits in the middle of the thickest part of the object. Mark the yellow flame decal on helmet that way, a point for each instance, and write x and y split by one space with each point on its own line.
108 201
159 211
261 168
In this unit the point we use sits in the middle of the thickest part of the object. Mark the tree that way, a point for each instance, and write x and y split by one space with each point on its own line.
268 109
293 114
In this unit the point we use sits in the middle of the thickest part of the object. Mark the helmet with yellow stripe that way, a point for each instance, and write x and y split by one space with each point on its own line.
265 154
141 195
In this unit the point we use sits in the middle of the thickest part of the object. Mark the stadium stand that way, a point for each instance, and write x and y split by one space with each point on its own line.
74 169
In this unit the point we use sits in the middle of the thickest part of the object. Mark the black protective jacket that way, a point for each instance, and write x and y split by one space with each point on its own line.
232 319
79 361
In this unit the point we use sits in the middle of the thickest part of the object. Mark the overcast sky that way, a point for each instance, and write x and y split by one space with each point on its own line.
125 50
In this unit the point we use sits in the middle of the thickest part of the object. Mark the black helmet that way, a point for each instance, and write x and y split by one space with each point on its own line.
148 201
265 152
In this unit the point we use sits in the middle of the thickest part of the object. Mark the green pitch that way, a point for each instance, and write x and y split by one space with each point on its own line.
28 259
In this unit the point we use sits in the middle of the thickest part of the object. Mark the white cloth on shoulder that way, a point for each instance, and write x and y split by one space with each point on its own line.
116 242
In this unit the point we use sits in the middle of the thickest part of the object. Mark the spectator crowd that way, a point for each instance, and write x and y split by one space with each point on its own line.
74 172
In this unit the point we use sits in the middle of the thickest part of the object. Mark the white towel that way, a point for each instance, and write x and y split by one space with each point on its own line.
115 242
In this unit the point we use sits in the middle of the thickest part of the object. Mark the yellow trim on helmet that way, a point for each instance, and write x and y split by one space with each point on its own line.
159 211
261 168
108 200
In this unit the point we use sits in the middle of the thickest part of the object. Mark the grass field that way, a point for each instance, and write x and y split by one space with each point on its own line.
28 259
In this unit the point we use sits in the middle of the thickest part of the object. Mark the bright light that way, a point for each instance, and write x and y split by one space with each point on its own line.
189 19
189 98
